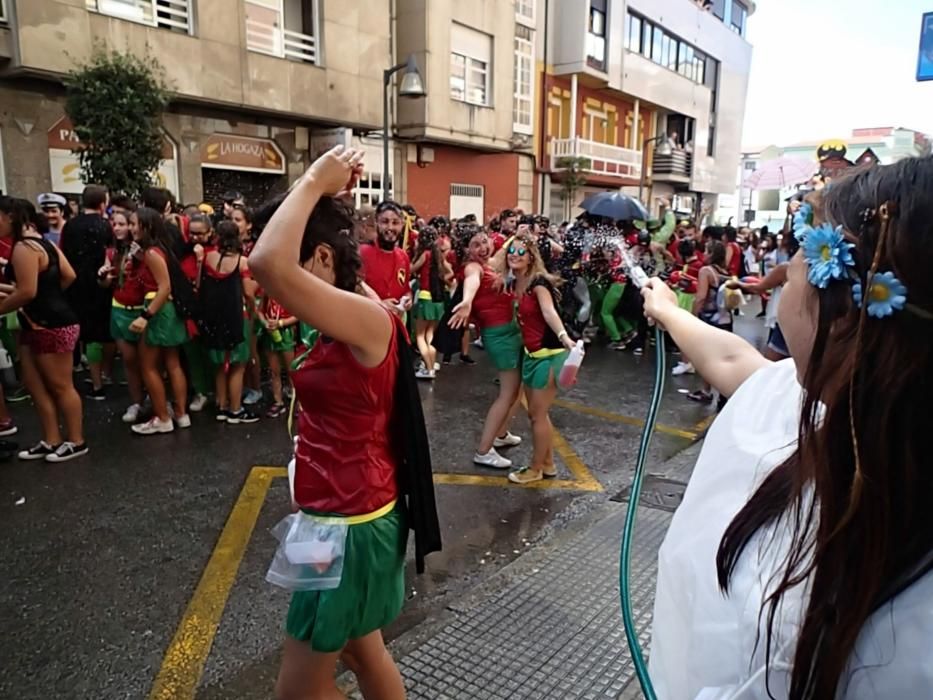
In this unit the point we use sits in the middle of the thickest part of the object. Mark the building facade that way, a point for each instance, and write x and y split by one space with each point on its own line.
829 157
646 96
259 87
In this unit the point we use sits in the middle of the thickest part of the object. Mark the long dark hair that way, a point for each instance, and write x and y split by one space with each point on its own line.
120 248
331 223
428 242
23 214
152 231
857 494
228 238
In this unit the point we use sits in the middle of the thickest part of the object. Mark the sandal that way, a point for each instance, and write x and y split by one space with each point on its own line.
701 397
526 475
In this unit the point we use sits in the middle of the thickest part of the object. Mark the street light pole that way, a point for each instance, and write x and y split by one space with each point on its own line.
411 86
644 165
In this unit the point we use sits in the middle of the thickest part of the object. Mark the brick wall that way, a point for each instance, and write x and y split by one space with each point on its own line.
429 187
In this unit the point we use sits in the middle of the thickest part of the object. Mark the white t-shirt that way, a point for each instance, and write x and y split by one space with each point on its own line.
704 643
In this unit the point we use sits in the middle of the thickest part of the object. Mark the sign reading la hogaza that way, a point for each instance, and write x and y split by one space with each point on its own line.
233 152
65 166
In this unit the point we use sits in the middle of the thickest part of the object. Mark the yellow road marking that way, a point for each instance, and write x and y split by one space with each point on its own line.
705 423
627 420
187 653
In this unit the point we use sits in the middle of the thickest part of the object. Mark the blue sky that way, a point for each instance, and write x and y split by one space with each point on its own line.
823 67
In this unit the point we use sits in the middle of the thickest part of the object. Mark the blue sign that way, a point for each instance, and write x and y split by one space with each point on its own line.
925 60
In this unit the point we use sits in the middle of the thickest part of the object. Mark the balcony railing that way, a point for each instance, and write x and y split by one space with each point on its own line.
284 43
166 14
604 159
675 166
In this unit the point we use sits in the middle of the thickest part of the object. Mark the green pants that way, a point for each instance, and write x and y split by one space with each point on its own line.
199 367
607 313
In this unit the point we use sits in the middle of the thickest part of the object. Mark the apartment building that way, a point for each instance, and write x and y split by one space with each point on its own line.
259 87
467 146
646 96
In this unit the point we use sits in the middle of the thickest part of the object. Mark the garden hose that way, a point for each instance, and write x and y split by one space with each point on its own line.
625 556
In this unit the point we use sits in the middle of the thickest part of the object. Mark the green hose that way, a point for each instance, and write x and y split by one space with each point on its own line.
625 556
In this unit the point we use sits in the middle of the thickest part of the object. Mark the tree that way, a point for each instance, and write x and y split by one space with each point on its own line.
573 179
115 102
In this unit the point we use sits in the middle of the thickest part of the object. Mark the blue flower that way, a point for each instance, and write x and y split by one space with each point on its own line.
828 254
801 232
886 295
804 216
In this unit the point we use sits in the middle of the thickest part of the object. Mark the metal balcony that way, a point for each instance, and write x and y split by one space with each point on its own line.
603 158
675 166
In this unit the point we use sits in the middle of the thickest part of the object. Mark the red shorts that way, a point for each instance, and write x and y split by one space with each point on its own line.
43 341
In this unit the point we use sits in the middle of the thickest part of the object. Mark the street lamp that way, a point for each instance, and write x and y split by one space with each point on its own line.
664 149
411 86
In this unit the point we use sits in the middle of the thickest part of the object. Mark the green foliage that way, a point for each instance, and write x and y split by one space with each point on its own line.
574 177
115 102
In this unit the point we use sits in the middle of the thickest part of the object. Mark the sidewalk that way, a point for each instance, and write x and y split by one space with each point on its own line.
549 626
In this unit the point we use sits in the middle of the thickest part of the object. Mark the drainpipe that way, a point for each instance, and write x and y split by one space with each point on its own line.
573 106
542 147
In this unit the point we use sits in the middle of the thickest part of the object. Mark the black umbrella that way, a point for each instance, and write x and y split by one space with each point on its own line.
615 205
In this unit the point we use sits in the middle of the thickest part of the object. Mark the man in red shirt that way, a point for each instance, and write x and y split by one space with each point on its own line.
386 267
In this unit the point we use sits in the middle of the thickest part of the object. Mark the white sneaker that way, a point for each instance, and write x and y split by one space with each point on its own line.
507 440
252 397
437 366
422 373
683 368
492 459
67 451
478 343
197 403
153 426
132 413
183 421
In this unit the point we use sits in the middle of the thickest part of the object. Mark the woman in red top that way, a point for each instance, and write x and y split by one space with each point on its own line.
433 275
346 459
486 300
129 278
243 218
162 331
547 345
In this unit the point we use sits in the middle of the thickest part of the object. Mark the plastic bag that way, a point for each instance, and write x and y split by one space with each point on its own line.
310 553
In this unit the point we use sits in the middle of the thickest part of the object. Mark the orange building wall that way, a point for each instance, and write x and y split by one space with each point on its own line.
429 187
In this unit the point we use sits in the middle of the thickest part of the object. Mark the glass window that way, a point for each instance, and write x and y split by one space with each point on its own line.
476 82
711 144
719 8
522 82
646 38
737 20
672 54
682 59
657 46
596 38
633 38
470 57
458 77
525 10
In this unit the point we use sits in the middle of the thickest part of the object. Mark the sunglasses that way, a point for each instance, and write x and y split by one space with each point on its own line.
516 251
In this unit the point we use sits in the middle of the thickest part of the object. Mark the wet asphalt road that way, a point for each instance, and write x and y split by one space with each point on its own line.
99 563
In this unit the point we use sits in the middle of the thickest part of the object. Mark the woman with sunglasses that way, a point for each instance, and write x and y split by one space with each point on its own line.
492 306
547 346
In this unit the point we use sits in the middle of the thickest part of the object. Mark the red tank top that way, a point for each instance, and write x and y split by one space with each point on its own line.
536 333
344 458
735 264
148 279
492 306
135 278
424 274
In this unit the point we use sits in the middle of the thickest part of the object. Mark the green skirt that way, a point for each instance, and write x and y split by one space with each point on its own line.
537 371
120 320
166 329
503 344
238 356
684 300
370 594
429 310
286 342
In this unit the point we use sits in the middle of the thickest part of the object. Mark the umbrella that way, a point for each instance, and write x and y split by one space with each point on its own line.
780 173
614 205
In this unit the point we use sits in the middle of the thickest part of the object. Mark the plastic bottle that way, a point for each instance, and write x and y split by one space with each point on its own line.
568 373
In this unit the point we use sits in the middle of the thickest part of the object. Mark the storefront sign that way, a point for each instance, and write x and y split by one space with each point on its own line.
66 168
232 152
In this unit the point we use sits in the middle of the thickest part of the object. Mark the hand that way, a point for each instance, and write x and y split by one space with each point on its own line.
271 325
569 342
792 206
659 299
139 325
199 252
392 305
460 316
332 171
406 302
734 284
7 289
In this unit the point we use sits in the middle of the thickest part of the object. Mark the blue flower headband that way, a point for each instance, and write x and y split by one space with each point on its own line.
829 257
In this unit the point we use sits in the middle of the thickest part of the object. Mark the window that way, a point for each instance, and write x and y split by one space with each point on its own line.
737 20
633 37
597 125
719 8
656 44
174 15
3 15
283 28
470 59
596 37
369 189
525 11
523 83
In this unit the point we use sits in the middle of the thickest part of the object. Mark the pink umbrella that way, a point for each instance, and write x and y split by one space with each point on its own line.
780 173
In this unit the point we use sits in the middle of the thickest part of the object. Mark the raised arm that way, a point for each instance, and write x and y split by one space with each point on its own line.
775 278
461 312
346 316
723 359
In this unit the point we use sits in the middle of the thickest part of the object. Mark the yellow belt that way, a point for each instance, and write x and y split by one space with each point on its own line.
152 295
545 352
425 294
354 519
118 305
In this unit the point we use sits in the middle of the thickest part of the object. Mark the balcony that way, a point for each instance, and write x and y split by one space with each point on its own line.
672 165
174 15
266 34
603 158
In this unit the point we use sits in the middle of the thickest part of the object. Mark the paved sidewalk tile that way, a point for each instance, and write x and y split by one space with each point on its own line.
553 633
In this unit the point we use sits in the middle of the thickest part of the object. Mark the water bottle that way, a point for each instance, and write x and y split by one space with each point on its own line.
568 373
276 335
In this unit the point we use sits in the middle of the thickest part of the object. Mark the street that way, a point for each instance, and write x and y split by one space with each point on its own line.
122 577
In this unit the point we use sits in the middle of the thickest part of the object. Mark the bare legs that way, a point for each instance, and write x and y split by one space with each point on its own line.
150 360
499 412
49 380
424 335
134 380
539 405
229 387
